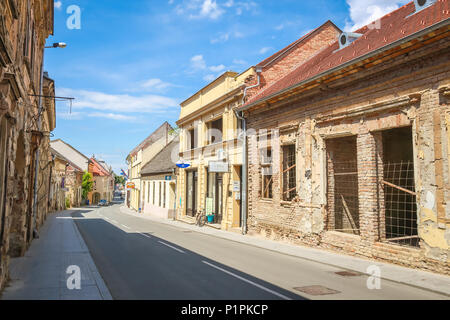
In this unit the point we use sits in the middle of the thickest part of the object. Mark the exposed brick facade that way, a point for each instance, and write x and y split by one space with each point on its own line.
24 28
409 90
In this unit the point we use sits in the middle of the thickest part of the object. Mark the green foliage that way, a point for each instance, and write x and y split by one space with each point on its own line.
174 131
87 185
67 203
119 180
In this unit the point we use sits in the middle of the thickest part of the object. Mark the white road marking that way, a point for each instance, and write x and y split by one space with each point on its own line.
126 227
114 221
248 281
168 245
145 235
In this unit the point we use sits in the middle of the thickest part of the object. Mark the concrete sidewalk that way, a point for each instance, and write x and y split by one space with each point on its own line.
421 279
41 273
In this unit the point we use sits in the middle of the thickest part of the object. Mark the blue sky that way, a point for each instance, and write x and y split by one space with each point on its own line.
133 62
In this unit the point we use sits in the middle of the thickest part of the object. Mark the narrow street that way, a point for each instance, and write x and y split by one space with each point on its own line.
142 259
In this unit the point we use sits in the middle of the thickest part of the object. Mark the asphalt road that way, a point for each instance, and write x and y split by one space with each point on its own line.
142 259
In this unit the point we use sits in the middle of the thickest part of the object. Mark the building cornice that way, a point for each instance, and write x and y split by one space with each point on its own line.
229 96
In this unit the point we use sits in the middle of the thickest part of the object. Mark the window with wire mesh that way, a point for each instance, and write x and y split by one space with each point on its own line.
266 173
346 201
400 203
289 173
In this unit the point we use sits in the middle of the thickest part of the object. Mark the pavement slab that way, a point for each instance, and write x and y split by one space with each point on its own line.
41 273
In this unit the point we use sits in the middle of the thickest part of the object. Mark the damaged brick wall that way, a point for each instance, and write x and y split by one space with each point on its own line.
410 90
20 63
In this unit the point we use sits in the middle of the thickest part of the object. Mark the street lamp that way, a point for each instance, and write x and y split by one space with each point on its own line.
57 45
36 171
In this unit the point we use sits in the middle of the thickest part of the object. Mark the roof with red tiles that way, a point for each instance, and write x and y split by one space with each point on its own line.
286 50
98 169
395 26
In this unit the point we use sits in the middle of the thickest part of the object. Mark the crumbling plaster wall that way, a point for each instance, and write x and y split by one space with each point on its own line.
404 92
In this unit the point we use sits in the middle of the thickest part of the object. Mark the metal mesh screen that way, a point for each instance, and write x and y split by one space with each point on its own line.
400 203
346 203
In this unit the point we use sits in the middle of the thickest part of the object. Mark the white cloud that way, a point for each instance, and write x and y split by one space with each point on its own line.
363 12
155 84
265 50
212 9
239 62
70 115
85 99
218 68
198 63
209 77
58 5
112 116
222 37
225 36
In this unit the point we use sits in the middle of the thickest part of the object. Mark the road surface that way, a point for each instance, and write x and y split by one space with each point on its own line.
143 259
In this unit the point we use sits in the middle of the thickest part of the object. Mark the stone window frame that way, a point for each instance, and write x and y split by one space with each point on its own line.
282 171
266 166
208 127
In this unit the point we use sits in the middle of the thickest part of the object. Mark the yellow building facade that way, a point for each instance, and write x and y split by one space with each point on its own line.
139 157
210 143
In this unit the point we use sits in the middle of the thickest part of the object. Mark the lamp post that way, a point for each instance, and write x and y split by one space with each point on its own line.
36 161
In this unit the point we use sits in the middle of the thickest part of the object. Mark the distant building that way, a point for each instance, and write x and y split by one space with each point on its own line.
103 182
159 180
78 165
139 157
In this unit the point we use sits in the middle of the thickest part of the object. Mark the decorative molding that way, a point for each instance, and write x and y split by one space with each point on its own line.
5 47
371 108
16 89
445 91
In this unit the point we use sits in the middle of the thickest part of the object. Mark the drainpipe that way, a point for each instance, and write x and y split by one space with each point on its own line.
244 193
175 200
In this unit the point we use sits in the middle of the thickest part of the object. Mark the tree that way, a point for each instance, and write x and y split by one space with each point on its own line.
87 184
119 180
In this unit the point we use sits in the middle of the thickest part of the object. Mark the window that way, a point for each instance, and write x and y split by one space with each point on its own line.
342 185
266 174
164 195
215 131
289 173
159 198
154 186
148 192
192 139
191 192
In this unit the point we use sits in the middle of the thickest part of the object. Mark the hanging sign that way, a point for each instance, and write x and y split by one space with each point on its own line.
183 164
218 167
